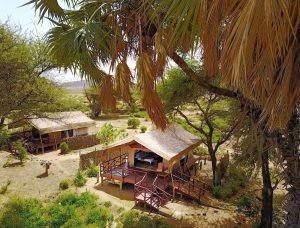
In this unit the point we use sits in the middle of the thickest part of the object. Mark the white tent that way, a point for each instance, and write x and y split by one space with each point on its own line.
61 121
167 144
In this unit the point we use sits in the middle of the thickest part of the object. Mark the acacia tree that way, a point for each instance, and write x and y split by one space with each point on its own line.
92 94
24 92
236 36
216 117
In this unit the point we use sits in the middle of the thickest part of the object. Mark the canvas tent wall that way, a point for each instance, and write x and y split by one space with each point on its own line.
172 145
62 121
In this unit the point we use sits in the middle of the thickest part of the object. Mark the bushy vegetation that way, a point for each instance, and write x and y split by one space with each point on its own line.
133 123
108 134
134 219
236 178
249 205
64 184
22 152
64 148
140 114
143 129
68 210
92 170
20 212
79 180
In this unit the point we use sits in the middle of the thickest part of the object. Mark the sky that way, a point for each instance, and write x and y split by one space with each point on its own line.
26 18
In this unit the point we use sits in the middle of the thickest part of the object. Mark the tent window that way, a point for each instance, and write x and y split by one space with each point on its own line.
67 134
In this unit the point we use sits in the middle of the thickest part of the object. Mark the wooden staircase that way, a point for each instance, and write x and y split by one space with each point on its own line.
151 194
190 187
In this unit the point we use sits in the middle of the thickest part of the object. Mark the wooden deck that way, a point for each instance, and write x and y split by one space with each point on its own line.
150 187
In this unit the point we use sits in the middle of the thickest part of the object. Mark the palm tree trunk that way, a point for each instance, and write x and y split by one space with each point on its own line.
267 193
289 147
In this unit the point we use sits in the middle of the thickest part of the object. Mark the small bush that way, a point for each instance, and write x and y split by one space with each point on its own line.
133 219
140 114
4 187
64 148
86 199
92 171
133 123
107 204
99 216
64 184
60 214
249 205
22 152
143 129
108 134
20 212
80 179
236 178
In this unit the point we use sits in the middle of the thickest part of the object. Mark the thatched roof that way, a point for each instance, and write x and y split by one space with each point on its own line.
167 144
61 121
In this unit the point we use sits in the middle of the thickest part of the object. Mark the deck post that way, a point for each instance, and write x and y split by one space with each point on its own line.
41 142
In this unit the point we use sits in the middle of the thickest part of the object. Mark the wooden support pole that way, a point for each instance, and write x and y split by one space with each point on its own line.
41 142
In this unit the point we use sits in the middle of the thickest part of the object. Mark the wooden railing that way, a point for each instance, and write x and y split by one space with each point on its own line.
107 166
192 188
153 195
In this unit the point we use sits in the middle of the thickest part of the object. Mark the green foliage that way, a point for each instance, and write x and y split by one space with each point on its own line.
4 135
22 152
108 134
92 171
133 219
143 129
107 204
64 184
140 114
69 210
4 187
99 216
249 205
92 94
19 212
79 179
64 148
133 123
200 151
236 179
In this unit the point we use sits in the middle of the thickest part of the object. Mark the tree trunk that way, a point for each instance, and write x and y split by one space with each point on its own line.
213 165
289 148
267 193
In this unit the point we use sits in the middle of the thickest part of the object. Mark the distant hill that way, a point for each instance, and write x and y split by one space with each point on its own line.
75 86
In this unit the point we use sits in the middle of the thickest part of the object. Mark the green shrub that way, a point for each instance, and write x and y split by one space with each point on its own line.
59 214
249 205
108 134
64 184
133 123
236 178
92 171
140 114
107 204
99 216
22 152
19 212
143 129
80 179
74 222
64 148
85 199
133 219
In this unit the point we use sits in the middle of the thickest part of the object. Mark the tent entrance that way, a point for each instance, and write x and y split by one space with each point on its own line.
146 160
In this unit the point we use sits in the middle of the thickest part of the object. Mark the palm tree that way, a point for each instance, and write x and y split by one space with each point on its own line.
251 45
